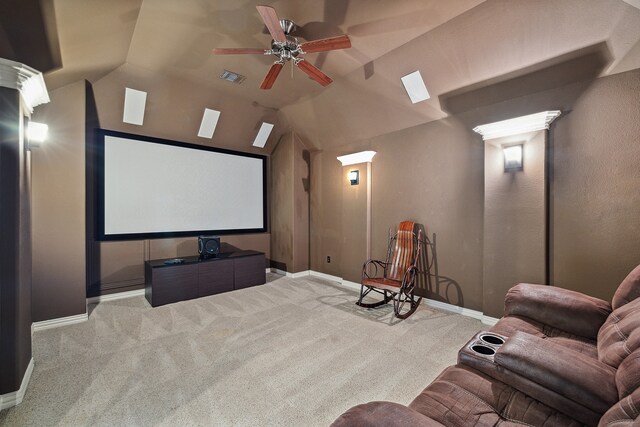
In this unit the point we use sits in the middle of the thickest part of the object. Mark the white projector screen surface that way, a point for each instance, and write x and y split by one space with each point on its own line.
156 189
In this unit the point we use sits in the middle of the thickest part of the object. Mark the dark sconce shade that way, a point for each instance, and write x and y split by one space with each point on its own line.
354 177
513 156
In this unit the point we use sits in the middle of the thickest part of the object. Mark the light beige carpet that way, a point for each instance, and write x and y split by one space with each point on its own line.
293 352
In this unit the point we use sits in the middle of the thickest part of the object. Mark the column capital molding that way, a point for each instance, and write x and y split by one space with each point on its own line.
28 81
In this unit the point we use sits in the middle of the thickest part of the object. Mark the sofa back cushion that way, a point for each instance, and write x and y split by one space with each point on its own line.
624 413
628 375
619 336
628 290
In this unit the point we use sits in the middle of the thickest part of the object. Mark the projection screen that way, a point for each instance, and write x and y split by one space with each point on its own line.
153 188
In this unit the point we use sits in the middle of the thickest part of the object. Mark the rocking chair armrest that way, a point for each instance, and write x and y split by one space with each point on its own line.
376 263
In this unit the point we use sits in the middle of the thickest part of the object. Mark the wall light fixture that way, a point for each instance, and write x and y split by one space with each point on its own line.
36 134
354 177
513 158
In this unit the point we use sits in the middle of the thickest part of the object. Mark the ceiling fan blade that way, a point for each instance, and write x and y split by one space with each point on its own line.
314 73
323 45
270 18
271 76
237 50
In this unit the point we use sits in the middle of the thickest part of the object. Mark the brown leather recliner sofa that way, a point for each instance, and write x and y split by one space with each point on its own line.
556 358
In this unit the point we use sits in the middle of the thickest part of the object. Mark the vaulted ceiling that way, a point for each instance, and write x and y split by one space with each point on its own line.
458 45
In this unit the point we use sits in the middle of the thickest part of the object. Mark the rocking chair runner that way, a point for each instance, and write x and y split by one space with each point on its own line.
398 280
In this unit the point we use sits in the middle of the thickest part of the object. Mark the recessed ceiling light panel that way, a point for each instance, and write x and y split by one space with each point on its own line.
134 103
263 135
209 122
415 87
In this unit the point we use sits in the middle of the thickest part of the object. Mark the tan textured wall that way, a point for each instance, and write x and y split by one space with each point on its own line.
290 205
58 196
325 216
431 174
514 220
434 174
595 192
282 204
301 183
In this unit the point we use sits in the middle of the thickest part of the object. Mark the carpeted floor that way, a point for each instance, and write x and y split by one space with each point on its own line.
294 352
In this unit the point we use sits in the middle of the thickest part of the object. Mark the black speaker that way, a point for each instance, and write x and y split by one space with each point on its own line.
208 246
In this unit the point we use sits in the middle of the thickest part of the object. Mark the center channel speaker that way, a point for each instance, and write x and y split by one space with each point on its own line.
208 246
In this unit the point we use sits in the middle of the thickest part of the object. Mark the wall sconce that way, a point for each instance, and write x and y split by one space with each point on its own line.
36 134
354 177
512 158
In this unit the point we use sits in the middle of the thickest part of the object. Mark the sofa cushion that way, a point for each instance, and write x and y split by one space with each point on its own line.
624 413
550 305
383 414
462 396
620 334
628 290
562 373
628 375
509 325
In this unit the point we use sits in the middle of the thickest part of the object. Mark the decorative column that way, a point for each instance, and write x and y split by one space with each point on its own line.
21 89
515 205
356 213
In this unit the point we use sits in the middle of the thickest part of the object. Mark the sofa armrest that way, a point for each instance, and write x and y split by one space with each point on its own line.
383 414
570 311
561 370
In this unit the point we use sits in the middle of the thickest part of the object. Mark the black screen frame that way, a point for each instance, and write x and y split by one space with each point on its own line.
99 171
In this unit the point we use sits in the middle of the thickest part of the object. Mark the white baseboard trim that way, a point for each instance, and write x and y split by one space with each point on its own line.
487 320
352 285
278 271
475 314
60 321
116 296
290 275
298 274
15 397
347 283
325 276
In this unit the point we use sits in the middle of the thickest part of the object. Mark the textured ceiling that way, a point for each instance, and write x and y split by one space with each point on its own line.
455 44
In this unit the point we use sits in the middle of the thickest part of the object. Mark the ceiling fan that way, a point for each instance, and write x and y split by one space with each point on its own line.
286 47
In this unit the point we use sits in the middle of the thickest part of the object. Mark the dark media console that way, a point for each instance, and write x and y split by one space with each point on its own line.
168 280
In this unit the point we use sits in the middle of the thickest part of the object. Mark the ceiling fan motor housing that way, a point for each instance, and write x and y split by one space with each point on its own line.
288 50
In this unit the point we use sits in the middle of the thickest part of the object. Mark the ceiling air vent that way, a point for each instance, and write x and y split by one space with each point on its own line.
232 77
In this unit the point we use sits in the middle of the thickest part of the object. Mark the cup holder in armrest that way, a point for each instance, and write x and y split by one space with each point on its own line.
483 349
492 339
480 350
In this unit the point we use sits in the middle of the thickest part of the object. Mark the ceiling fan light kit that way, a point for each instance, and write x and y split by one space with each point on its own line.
287 48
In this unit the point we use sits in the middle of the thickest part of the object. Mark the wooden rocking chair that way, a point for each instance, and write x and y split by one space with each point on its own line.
399 272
